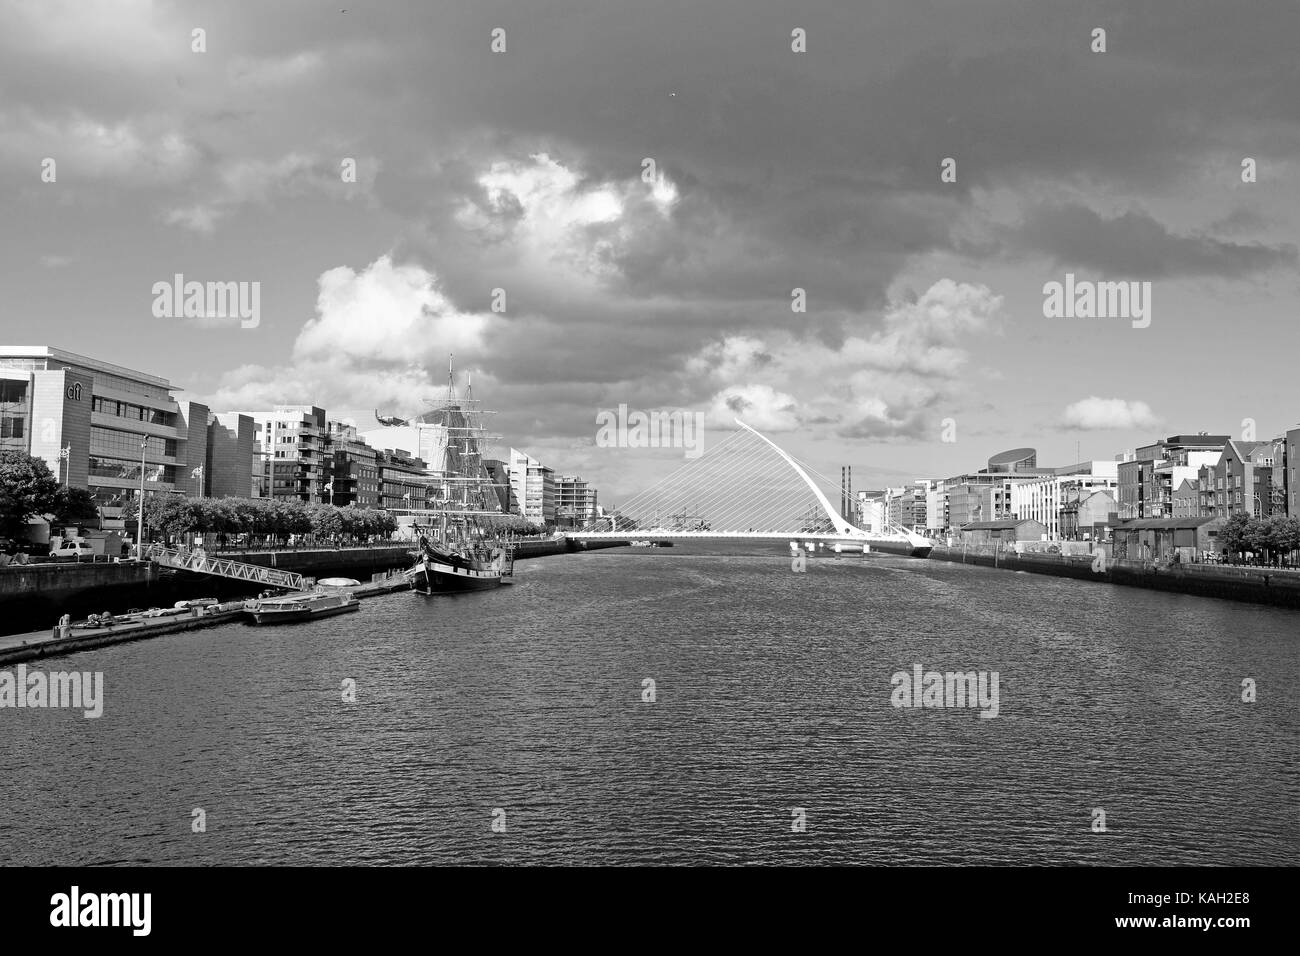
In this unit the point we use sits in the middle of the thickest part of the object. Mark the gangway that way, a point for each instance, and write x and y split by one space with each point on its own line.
203 563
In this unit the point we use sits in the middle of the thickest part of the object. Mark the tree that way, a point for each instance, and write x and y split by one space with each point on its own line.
1233 534
74 505
325 520
27 490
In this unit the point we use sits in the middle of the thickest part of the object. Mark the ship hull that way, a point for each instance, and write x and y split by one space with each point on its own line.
437 578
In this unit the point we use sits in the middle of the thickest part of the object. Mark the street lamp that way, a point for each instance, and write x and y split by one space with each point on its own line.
65 456
197 474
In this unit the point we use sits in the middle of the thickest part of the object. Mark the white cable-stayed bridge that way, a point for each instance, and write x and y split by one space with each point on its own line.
747 487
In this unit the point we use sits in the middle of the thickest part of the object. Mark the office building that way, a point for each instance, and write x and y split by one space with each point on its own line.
533 486
88 419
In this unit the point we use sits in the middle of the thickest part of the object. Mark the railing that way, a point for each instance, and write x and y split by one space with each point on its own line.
203 563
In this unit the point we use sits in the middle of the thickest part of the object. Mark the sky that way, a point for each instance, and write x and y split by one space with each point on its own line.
925 346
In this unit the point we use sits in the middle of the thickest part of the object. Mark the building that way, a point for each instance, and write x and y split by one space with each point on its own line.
499 473
404 480
872 513
1006 531
533 487
575 505
290 441
984 495
985 500
351 468
936 507
87 419
1043 498
906 506
1085 516
1157 539
1146 482
231 441
1291 484
1249 477
1187 499
1015 461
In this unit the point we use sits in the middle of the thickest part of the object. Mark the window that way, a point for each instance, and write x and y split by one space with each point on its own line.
11 427
12 391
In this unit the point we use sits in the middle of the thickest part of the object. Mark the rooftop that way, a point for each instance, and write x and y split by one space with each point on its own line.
73 358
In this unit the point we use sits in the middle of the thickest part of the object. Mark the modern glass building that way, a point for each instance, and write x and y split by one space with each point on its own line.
88 419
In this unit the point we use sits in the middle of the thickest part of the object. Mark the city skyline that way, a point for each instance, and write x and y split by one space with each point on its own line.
776 169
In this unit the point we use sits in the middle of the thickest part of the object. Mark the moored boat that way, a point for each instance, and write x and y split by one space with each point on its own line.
442 569
300 607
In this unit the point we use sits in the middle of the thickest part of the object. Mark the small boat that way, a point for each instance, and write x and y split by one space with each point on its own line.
196 602
338 583
300 607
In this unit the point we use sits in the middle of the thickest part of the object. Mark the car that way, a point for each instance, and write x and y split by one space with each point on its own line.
76 550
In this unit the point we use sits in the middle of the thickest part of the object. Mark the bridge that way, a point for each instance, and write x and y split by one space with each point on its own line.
748 488
203 563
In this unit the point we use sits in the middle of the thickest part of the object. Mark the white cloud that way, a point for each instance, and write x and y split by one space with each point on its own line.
375 336
553 217
759 406
878 385
1095 414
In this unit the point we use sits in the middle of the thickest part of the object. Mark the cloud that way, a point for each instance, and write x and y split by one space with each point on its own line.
249 181
374 338
138 153
880 385
56 262
1136 245
760 406
1098 414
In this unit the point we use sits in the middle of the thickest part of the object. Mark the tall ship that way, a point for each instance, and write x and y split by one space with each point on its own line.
462 535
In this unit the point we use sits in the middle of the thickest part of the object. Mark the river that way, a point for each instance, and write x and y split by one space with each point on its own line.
772 737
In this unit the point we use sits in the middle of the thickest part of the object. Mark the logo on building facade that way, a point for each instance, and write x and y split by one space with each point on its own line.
74 392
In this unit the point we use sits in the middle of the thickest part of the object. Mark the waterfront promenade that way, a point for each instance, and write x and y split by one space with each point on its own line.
1258 585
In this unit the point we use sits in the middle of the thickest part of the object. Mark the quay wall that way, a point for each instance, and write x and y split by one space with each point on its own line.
1255 585
34 596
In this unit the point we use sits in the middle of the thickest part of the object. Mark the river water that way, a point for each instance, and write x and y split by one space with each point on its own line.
523 707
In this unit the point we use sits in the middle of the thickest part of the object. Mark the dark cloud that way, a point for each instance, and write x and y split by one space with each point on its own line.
1135 244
